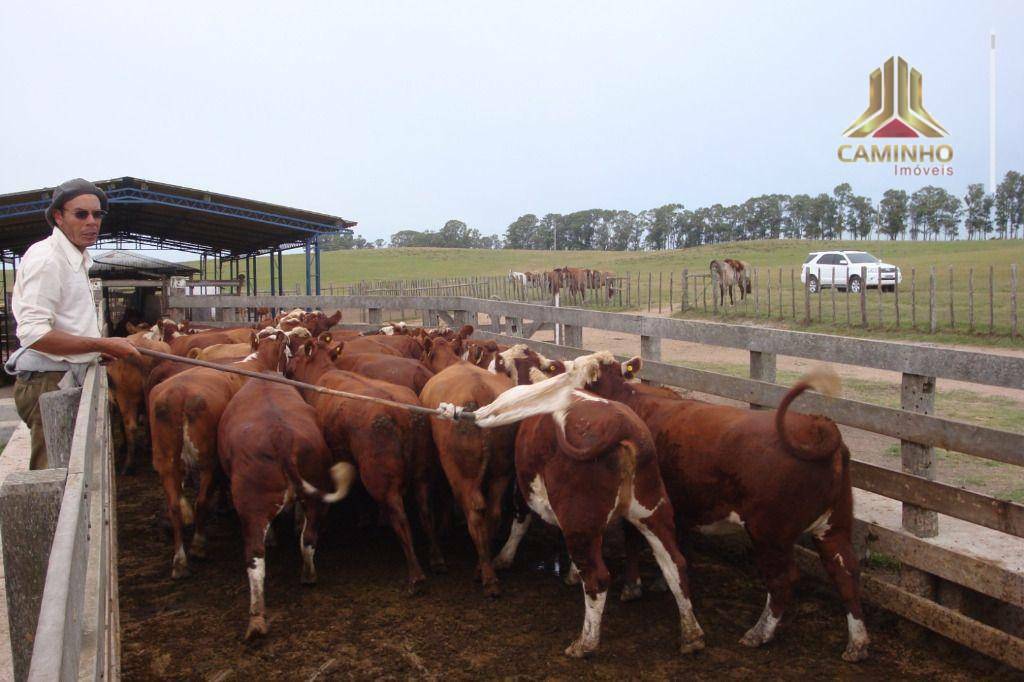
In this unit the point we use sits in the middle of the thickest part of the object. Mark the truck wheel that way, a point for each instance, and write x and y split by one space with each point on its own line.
812 284
855 284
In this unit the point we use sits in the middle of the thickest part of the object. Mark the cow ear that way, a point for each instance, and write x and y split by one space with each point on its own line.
466 331
631 367
253 340
336 351
324 339
193 353
309 347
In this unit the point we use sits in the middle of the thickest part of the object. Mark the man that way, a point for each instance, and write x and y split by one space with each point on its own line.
54 309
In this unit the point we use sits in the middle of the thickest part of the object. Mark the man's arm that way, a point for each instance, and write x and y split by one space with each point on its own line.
61 343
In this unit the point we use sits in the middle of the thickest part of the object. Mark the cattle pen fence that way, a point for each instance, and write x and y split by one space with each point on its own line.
944 580
59 530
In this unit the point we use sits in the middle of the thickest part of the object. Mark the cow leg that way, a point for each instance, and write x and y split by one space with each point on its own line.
400 523
477 523
520 524
204 501
495 497
837 556
585 552
311 513
426 512
632 588
780 573
660 532
256 568
171 482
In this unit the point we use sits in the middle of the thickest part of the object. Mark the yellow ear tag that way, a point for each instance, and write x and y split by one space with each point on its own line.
629 368
551 368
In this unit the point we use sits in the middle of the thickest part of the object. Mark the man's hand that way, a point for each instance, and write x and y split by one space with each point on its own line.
116 348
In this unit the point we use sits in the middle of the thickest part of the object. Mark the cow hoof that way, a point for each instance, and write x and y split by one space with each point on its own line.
198 548
578 650
692 646
632 592
257 628
308 577
501 563
855 653
417 587
492 589
179 571
753 639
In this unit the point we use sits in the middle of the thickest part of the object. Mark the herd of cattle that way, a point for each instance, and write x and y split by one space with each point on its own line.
584 444
575 282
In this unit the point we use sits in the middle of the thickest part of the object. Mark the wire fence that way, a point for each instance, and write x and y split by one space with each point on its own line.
969 300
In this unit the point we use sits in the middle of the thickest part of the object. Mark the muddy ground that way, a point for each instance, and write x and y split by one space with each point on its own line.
358 623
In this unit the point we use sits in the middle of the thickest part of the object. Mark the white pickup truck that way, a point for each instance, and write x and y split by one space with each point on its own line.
845 270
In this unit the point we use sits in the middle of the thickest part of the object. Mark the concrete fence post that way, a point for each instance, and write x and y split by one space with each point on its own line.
918 395
58 410
650 349
762 368
374 316
29 507
572 335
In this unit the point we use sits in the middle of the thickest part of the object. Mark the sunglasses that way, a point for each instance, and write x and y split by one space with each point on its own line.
82 214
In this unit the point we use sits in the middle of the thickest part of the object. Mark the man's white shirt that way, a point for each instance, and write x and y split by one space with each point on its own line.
52 291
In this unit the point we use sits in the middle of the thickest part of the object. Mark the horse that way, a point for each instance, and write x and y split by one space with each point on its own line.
729 272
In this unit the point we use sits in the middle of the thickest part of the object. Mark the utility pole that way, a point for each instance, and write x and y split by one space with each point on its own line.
992 114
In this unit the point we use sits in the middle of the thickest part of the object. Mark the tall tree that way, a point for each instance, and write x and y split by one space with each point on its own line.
861 217
978 217
843 197
892 213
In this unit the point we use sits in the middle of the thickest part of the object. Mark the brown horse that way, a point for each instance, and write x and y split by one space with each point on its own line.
729 272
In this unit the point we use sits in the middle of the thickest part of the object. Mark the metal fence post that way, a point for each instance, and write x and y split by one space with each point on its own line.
917 394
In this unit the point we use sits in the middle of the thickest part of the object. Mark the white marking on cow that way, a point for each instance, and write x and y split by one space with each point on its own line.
308 555
590 637
538 501
189 451
764 629
465 355
693 635
821 525
725 526
508 552
839 560
186 510
637 511
858 633
256 571
573 577
492 366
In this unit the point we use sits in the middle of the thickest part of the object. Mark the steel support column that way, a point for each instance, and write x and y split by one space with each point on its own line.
309 288
316 258
280 273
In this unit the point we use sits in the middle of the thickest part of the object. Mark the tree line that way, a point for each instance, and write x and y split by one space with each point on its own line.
926 214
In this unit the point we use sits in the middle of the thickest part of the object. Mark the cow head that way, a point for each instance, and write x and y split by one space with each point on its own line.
271 348
615 379
296 338
525 365
311 362
441 353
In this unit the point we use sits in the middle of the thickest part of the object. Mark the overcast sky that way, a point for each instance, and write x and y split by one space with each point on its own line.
403 115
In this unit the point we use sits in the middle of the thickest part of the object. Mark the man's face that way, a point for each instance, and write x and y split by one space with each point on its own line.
80 231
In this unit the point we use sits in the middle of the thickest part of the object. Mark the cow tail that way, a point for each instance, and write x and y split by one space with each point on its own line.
826 439
343 474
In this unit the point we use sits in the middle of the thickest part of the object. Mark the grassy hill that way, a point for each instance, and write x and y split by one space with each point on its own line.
346 267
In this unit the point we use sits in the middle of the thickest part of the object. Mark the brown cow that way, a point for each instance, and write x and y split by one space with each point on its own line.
184 412
181 345
391 447
273 452
127 379
778 475
581 463
401 371
477 462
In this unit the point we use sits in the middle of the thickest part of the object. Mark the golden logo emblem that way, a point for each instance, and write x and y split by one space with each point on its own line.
894 105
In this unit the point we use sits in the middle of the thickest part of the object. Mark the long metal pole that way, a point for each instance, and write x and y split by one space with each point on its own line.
280 273
316 258
278 379
992 114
